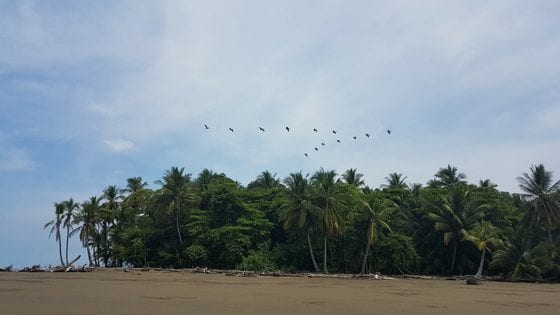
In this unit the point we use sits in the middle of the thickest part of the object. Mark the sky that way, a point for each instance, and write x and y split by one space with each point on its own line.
95 92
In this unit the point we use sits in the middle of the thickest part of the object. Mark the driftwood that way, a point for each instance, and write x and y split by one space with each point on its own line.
473 281
68 267
7 268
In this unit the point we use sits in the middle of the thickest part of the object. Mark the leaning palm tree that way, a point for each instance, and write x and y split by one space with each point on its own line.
352 177
175 194
87 220
396 181
539 189
55 227
456 217
378 212
299 212
329 197
68 218
483 235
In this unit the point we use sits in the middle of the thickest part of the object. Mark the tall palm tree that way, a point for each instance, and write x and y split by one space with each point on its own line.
175 194
134 184
396 181
68 216
87 220
447 177
378 212
456 217
352 177
539 188
483 235
486 183
329 198
299 212
109 213
55 227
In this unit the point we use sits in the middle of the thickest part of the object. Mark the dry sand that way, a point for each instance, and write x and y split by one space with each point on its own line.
153 292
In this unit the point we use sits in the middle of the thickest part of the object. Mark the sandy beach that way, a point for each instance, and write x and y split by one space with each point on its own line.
153 292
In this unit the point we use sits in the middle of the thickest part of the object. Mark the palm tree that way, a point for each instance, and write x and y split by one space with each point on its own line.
134 184
483 235
299 212
378 212
87 218
396 181
68 217
175 194
352 177
55 227
486 183
456 217
265 180
109 213
330 198
539 189
447 177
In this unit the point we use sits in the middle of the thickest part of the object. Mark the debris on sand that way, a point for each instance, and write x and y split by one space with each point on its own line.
473 281
7 268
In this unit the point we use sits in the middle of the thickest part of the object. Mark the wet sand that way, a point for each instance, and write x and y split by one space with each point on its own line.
110 292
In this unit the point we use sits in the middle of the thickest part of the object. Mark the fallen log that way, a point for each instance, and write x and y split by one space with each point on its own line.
67 267
7 268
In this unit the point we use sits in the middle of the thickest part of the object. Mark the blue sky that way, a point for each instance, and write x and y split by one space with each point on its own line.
92 93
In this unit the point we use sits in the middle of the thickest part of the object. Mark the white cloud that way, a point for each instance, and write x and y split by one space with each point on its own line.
119 145
14 159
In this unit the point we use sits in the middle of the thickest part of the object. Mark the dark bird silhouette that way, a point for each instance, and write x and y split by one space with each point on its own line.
230 129
315 129
322 143
205 126
261 129
354 137
338 140
367 135
306 175
334 131
388 131
316 149
288 128
306 155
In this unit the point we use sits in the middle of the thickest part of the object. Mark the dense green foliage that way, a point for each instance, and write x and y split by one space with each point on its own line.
322 222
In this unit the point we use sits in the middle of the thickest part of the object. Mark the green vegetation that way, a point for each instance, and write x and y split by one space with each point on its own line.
446 227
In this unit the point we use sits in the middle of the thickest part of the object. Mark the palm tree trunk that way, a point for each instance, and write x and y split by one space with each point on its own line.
365 258
454 255
67 239
311 253
60 247
479 272
177 226
325 270
89 256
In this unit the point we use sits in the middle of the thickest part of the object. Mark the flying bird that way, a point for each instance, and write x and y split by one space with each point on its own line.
322 143
316 149
288 128
334 131
306 155
388 131
205 126
306 175
230 129
261 129
315 129
338 140
367 135
354 137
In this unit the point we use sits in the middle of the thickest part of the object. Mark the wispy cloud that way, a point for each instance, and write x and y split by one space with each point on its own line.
119 145
15 159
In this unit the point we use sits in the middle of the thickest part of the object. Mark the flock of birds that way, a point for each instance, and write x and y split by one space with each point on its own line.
261 129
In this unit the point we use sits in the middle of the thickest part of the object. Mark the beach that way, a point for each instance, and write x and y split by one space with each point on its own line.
159 292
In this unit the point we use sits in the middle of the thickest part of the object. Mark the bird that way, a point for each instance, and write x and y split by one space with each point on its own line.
316 149
206 126
338 140
306 175
288 128
334 131
261 129
322 143
354 137
315 129
388 131
367 135
231 129
306 155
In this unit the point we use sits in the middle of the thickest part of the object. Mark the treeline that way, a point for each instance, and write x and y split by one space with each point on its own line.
321 222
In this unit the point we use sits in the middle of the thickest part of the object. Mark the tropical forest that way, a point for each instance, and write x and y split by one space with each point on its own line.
325 222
